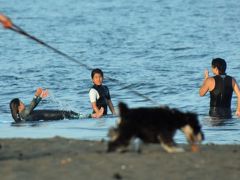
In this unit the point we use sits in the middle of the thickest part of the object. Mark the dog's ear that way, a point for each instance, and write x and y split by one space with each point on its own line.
123 108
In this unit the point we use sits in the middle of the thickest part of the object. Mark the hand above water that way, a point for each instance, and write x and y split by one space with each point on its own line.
206 74
44 94
41 93
99 114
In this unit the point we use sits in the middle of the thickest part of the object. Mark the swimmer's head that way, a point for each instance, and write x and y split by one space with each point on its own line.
220 64
96 71
14 105
97 76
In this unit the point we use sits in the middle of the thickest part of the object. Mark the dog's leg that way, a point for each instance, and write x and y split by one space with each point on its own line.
120 143
168 144
172 149
136 144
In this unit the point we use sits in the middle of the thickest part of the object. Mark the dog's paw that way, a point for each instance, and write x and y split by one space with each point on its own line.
172 149
177 150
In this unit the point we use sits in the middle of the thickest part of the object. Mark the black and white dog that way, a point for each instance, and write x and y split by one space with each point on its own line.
154 125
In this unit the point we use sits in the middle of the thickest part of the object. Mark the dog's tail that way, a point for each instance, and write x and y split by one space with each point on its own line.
123 109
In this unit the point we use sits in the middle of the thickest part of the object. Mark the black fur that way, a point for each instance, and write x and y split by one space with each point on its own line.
152 125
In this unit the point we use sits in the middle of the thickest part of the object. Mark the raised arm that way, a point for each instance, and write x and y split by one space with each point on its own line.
206 84
39 95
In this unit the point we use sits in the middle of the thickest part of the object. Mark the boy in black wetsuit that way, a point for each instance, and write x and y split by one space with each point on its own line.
99 94
20 112
220 87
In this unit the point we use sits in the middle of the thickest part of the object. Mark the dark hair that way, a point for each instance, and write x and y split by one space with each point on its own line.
220 64
96 71
14 104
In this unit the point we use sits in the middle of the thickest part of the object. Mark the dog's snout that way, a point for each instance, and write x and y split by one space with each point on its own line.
199 137
202 136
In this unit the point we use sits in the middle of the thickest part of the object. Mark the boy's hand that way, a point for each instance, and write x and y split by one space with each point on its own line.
41 93
44 94
206 74
99 114
38 92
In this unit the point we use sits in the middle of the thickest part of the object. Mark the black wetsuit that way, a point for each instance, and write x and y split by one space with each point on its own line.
221 96
104 96
29 114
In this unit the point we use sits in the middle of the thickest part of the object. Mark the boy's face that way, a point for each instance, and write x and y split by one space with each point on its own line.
97 79
21 107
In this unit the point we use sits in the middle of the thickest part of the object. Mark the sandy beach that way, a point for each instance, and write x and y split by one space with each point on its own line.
60 158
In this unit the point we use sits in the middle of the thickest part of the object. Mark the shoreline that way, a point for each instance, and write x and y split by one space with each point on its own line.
62 158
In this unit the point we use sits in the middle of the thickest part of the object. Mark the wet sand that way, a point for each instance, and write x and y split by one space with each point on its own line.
63 159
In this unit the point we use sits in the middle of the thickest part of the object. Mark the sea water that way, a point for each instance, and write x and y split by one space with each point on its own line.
157 50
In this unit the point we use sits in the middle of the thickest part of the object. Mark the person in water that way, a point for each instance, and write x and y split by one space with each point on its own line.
221 87
20 112
99 94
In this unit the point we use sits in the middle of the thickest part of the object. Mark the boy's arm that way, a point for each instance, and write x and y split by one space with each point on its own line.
111 107
205 86
93 99
95 108
109 102
39 94
237 92
35 101
28 109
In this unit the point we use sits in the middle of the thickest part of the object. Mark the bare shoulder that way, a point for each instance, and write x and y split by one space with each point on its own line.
208 85
210 80
211 83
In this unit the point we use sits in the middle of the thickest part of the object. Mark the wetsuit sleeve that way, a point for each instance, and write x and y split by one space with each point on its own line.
28 109
93 95
35 101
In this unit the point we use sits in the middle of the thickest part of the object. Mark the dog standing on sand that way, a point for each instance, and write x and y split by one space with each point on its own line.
155 125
